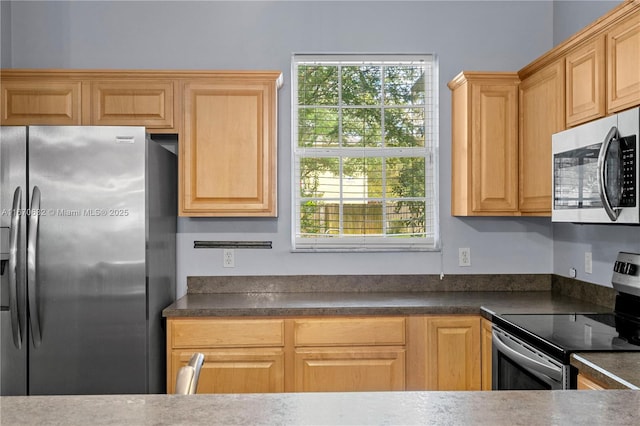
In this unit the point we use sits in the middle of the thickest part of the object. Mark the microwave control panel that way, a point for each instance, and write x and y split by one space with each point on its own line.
629 170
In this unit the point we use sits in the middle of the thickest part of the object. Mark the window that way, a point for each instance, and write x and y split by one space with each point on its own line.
364 152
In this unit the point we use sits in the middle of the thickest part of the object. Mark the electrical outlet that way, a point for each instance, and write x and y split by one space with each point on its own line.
228 258
464 256
588 262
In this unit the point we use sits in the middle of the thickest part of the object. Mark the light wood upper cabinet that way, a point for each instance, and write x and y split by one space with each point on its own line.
585 82
228 156
623 64
484 144
593 73
603 74
133 102
43 102
225 121
453 353
542 113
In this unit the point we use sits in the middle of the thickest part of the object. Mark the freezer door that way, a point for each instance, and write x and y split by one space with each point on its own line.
88 267
13 311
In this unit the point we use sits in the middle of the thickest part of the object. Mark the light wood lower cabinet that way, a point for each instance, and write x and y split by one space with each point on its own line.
453 353
239 370
349 354
321 354
349 369
241 355
586 383
486 348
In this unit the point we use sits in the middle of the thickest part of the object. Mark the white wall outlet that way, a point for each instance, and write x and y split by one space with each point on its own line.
588 262
228 258
464 256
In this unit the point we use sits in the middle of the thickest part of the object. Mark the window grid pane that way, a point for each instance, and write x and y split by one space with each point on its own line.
363 160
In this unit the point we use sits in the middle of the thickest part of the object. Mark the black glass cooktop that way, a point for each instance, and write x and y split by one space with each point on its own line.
561 334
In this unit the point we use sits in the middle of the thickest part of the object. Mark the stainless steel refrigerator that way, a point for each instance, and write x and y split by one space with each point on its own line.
88 217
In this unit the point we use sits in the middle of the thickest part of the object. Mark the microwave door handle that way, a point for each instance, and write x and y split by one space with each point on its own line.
612 212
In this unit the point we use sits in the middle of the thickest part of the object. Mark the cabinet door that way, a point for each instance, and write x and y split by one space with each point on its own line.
228 158
197 333
132 103
494 148
484 152
42 102
486 346
453 353
349 331
541 115
349 369
585 85
623 64
238 370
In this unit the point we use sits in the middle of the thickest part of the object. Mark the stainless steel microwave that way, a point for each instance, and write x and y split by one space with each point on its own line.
595 171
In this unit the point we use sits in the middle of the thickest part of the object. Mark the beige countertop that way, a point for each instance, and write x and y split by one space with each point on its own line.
354 408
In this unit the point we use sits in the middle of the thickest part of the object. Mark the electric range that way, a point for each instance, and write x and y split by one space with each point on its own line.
532 351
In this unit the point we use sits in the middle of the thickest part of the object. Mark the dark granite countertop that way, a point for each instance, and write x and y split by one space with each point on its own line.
619 370
353 408
218 296
376 303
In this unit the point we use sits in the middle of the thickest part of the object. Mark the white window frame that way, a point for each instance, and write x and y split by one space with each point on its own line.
341 243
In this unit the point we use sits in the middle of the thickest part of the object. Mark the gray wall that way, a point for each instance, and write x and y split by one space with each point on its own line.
5 34
571 16
473 35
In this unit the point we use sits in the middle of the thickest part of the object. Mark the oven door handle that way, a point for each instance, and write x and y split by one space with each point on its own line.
536 367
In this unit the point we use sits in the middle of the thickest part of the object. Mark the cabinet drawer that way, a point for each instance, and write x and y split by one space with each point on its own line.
41 103
350 369
349 331
132 103
204 333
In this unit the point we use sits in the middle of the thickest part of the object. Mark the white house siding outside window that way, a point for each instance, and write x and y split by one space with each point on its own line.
365 153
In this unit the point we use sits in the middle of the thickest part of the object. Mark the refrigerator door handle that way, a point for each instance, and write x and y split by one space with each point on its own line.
32 278
16 214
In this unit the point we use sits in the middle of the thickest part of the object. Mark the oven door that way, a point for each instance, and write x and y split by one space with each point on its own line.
517 365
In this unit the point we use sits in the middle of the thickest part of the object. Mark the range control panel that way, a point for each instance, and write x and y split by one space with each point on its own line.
626 273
